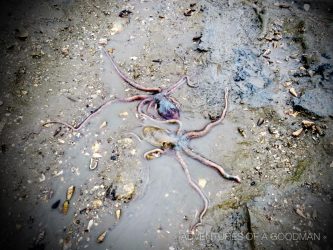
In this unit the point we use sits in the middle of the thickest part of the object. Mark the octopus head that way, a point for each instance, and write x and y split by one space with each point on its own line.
166 108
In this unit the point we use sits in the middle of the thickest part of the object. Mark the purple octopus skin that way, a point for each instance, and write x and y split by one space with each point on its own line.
166 108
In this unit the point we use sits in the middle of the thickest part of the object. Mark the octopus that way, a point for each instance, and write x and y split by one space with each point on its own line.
179 141
158 100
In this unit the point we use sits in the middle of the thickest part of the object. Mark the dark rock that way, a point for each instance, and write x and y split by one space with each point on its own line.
55 205
315 102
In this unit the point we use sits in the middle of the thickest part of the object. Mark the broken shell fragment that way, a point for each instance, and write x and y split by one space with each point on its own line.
70 192
93 163
118 214
307 124
101 237
293 92
65 207
297 132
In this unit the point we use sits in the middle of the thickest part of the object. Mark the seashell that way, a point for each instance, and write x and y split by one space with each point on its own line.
93 163
103 125
65 207
101 237
293 92
260 121
90 224
118 214
70 192
55 205
297 132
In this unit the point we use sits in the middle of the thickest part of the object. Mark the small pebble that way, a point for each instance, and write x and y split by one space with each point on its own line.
113 157
306 7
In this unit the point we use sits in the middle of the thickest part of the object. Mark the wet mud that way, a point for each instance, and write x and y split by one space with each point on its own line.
274 57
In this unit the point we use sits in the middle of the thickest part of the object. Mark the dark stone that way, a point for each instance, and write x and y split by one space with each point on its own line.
113 157
55 205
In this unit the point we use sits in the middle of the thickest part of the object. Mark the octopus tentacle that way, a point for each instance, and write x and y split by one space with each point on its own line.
209 126
173 87
171 121
141 104
97 111
210 163
126 79
196 188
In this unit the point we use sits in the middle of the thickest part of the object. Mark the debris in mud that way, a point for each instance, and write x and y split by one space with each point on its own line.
111 192
282 5
297 132
300 211
306 7
123 114
22 34
125 13
190 11
125 192
101 237
103 125
307 124
42 178
118 214
125 142
65 51
103 41
272 130
202 182
97 203
241 131
260 121
93 163
90 224
316 102
117 27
